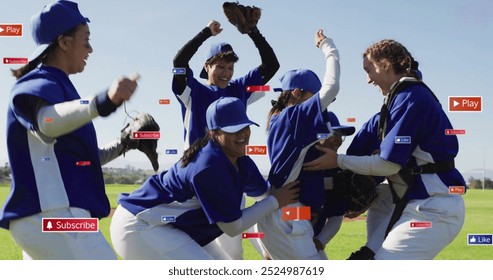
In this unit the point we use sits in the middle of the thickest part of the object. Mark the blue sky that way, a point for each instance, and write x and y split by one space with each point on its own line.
452 41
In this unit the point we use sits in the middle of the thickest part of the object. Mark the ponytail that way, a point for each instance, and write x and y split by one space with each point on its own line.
192 151
279 105
18 73
31 65
413 70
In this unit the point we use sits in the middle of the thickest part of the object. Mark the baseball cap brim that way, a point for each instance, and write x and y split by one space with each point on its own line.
238 127
345 130
38 51
203 74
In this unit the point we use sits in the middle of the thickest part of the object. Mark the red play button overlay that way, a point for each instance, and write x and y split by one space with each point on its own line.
11 29
456 190
465 103
256 150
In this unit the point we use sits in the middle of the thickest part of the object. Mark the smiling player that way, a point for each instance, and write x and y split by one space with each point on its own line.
218 70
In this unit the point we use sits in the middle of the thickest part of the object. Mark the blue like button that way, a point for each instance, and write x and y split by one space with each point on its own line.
479 239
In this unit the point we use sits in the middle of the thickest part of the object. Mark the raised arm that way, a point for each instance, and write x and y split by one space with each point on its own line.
270 64
54 120
330 85
372 165
184 55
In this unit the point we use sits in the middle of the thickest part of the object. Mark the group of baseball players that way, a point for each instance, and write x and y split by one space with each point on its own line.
196 209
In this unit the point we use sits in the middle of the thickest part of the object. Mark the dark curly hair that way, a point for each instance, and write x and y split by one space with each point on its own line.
228 56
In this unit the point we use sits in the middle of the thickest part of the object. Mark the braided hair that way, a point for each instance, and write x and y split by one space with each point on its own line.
396 54
194 149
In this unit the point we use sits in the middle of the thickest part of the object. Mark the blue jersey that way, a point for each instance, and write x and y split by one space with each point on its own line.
366 141
197 97
194 198
292 134
45 173
415 135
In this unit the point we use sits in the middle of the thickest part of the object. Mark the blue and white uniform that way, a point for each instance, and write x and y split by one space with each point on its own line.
176 214
195 97
366 142
330 217
411 115
47 180
292 134
190 200
198 96
415 135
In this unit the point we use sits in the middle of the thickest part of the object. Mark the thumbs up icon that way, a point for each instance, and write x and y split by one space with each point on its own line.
472 240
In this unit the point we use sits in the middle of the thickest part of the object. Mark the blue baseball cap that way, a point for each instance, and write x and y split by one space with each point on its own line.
215 49
227 114
54 20
303 79
335 125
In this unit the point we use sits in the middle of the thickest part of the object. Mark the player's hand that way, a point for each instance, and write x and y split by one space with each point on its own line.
215 27
355 214
333 142
318 244
287 194
326 161
319 37
122 89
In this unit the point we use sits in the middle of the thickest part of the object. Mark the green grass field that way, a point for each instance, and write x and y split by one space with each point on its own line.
352 235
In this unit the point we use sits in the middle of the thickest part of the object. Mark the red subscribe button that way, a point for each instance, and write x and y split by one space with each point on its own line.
146 135
70 225
420 224
15 60
455 131
252 235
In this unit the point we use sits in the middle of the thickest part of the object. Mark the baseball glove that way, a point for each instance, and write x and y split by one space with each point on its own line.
245 18
131 139
358 189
